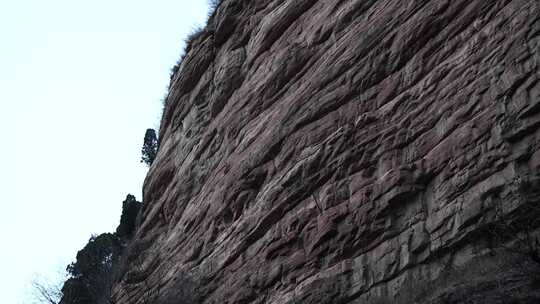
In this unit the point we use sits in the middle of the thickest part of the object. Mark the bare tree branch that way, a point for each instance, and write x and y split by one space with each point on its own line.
46 292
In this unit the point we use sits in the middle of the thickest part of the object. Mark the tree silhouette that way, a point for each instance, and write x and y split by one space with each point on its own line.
130 210
91 275
149 149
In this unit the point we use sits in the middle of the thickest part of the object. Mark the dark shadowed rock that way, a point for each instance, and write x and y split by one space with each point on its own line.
348 152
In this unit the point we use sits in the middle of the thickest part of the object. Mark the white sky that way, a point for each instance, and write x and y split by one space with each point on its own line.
80 81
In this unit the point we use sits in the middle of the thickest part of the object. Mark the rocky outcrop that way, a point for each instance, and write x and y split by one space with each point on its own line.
347 151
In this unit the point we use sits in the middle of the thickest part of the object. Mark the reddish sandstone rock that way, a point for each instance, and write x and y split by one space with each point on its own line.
345 152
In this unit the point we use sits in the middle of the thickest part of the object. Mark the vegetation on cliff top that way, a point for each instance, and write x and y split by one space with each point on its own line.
91 276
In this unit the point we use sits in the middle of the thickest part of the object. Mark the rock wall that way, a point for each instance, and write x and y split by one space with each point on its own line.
346 151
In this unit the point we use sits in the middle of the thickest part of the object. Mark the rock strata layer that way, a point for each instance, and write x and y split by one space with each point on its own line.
346 151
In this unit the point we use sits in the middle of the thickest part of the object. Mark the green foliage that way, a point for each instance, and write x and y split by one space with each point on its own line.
96 256
149 148
75 292
130 210
111 257
91 275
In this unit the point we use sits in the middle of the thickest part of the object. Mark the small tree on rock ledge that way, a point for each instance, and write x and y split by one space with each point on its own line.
149 149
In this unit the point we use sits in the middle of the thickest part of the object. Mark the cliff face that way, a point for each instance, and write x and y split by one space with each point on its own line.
347 151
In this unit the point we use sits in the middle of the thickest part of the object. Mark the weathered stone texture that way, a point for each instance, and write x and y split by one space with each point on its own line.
345 151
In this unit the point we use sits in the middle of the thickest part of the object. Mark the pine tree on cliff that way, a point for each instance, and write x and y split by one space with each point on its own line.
130 209
149 149
91 275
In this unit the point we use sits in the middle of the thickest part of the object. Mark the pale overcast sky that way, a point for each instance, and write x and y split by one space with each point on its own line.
80 81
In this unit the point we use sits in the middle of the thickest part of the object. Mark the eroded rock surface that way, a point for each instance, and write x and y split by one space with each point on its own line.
345 151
